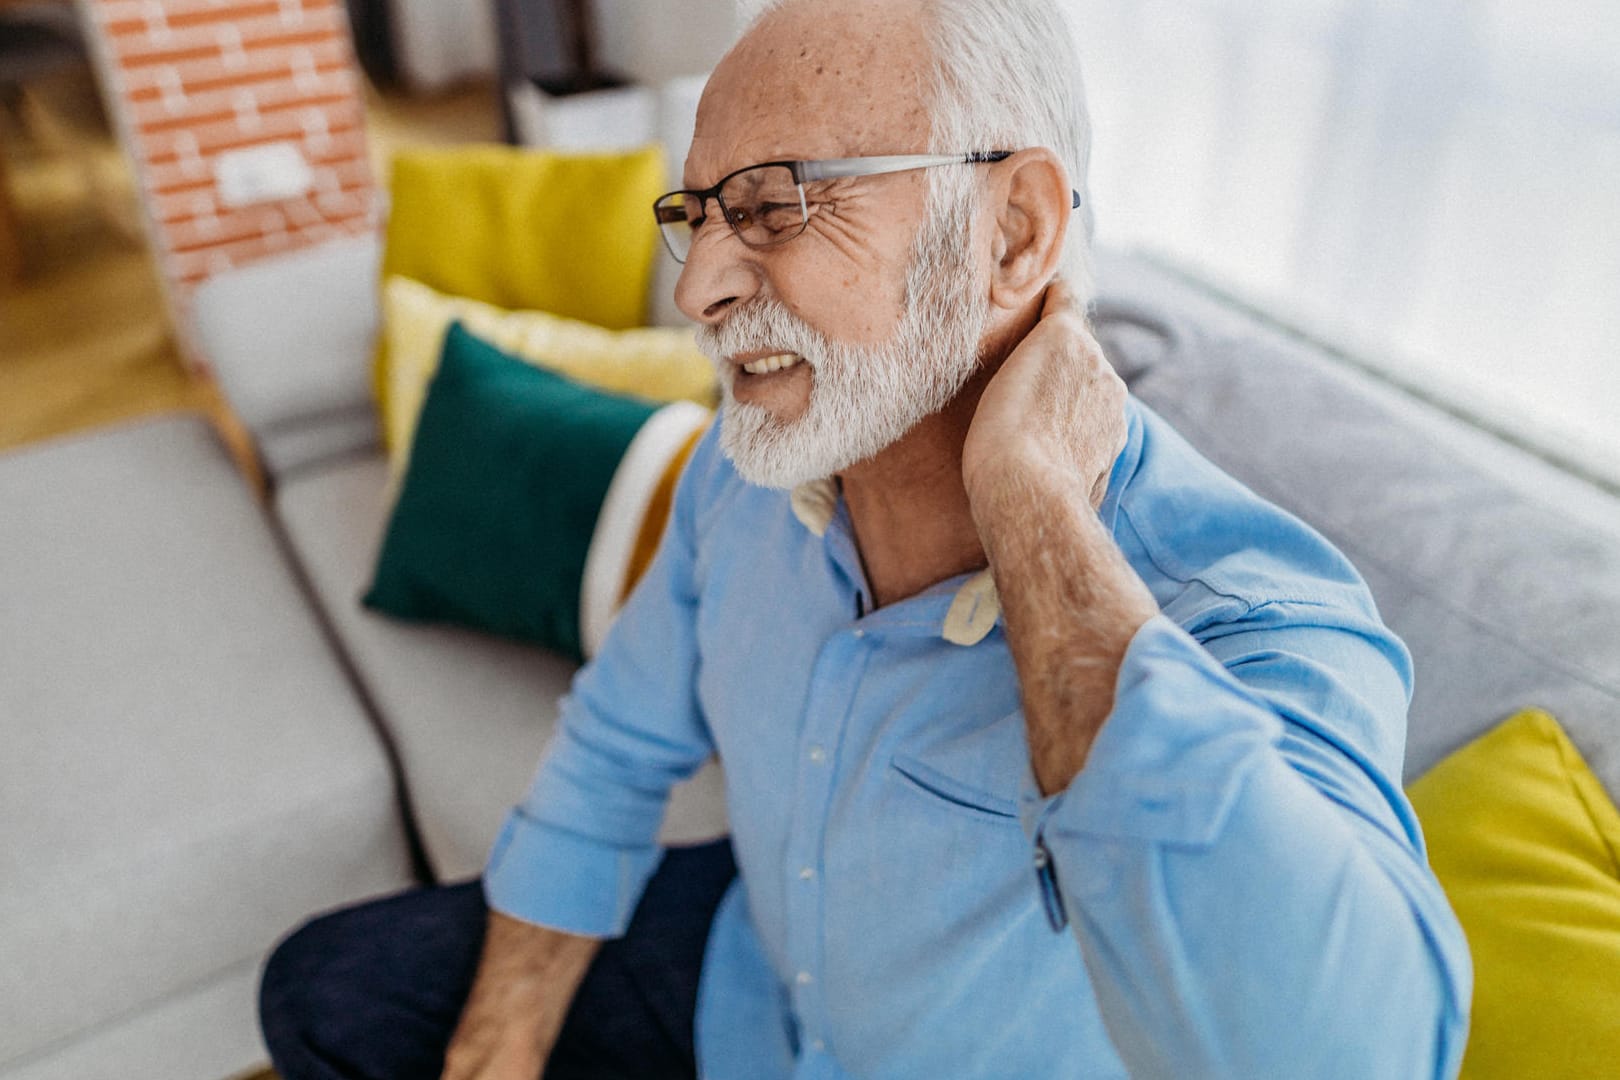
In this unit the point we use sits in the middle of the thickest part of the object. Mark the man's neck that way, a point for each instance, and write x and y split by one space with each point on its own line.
908 505
913 526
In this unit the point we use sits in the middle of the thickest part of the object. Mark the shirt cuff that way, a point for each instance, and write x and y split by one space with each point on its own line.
1171 757
559 879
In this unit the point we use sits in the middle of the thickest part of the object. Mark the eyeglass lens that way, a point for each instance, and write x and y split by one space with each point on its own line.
763 205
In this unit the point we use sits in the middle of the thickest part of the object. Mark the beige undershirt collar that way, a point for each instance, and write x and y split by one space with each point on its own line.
976 607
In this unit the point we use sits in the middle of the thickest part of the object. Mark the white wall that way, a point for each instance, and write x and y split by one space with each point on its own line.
440 42
655 40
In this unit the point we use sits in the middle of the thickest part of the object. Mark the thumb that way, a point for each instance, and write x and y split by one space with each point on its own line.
1059 298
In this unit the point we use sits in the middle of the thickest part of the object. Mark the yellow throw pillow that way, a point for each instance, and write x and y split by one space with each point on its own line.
1527 845
572 234
655 363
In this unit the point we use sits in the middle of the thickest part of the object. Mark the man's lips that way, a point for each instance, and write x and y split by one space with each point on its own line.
765 361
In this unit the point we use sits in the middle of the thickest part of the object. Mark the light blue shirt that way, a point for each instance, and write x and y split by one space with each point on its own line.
1233 886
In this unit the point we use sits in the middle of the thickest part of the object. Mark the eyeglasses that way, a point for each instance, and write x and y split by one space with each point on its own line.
765 204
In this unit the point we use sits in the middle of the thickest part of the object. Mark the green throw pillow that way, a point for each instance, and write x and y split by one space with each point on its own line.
509 473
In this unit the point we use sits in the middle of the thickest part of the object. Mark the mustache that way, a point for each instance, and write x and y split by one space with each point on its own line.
761 324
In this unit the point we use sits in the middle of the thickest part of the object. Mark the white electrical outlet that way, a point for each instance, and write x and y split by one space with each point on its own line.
262 174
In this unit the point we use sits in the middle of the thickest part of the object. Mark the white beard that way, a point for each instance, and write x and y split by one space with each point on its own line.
864 398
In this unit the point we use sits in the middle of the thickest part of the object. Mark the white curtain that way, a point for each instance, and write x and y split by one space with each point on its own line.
1433 183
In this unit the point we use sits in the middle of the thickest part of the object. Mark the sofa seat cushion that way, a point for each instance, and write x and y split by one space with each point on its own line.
469 713
1501 573
187 771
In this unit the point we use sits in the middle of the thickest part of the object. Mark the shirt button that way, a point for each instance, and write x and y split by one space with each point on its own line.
803 978
807 874
817 754
817 1045
860 632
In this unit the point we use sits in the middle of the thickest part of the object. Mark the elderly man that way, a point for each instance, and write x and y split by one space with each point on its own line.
1050 751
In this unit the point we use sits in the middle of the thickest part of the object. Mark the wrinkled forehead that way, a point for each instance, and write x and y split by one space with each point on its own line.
816 80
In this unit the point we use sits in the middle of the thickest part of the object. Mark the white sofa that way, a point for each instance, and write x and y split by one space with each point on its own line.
208 739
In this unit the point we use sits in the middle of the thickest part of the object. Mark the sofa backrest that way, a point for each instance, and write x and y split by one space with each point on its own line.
290 339
1501 573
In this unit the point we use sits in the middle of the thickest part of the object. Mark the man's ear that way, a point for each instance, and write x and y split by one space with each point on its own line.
1032 204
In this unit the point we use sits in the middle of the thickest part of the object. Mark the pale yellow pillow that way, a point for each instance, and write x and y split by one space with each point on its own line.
659 364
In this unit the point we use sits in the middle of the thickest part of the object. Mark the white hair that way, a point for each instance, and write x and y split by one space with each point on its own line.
1006 76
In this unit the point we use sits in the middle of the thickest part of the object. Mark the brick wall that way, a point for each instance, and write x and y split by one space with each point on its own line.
192 79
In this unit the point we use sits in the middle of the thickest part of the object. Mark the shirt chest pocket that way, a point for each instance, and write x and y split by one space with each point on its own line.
975 772
951 794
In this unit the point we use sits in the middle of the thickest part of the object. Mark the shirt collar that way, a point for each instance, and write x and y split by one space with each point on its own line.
814 504
974 611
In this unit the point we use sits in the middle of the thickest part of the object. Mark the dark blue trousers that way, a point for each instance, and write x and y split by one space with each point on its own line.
373 992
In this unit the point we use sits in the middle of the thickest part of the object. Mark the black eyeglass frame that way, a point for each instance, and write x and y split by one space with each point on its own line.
804 172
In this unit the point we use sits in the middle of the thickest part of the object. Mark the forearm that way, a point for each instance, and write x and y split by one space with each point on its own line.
527 978
1072 604
1249 900
1299 943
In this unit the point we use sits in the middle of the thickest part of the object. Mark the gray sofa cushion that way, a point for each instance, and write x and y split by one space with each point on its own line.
469 713
163 1042
291 341
186 770
1497 571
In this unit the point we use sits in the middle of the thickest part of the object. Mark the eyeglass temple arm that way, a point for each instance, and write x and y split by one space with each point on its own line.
876 166
834 168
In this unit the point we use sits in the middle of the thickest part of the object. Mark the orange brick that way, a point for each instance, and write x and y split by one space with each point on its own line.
196 264
163 146
269 90
184 206
210 72
184 73
174 184
200 17
124 10
330 104
276 74
133 58
218 138
186 236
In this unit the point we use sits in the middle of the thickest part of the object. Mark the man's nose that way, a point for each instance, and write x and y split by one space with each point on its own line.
717 273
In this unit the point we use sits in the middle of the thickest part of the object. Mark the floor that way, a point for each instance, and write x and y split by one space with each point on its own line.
85 340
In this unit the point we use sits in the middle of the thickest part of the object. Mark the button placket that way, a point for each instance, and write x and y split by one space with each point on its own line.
833 686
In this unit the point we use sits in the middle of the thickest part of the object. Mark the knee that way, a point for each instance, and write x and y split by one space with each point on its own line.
374 989
301 982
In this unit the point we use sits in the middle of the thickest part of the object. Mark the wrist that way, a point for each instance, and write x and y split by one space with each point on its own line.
1005 492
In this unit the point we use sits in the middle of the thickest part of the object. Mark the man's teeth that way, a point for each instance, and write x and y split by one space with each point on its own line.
766 365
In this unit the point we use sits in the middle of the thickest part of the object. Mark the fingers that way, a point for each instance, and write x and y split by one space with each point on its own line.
1060 299
1063 317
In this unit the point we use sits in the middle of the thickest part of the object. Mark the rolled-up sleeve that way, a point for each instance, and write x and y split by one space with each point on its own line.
576 853
1246 880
